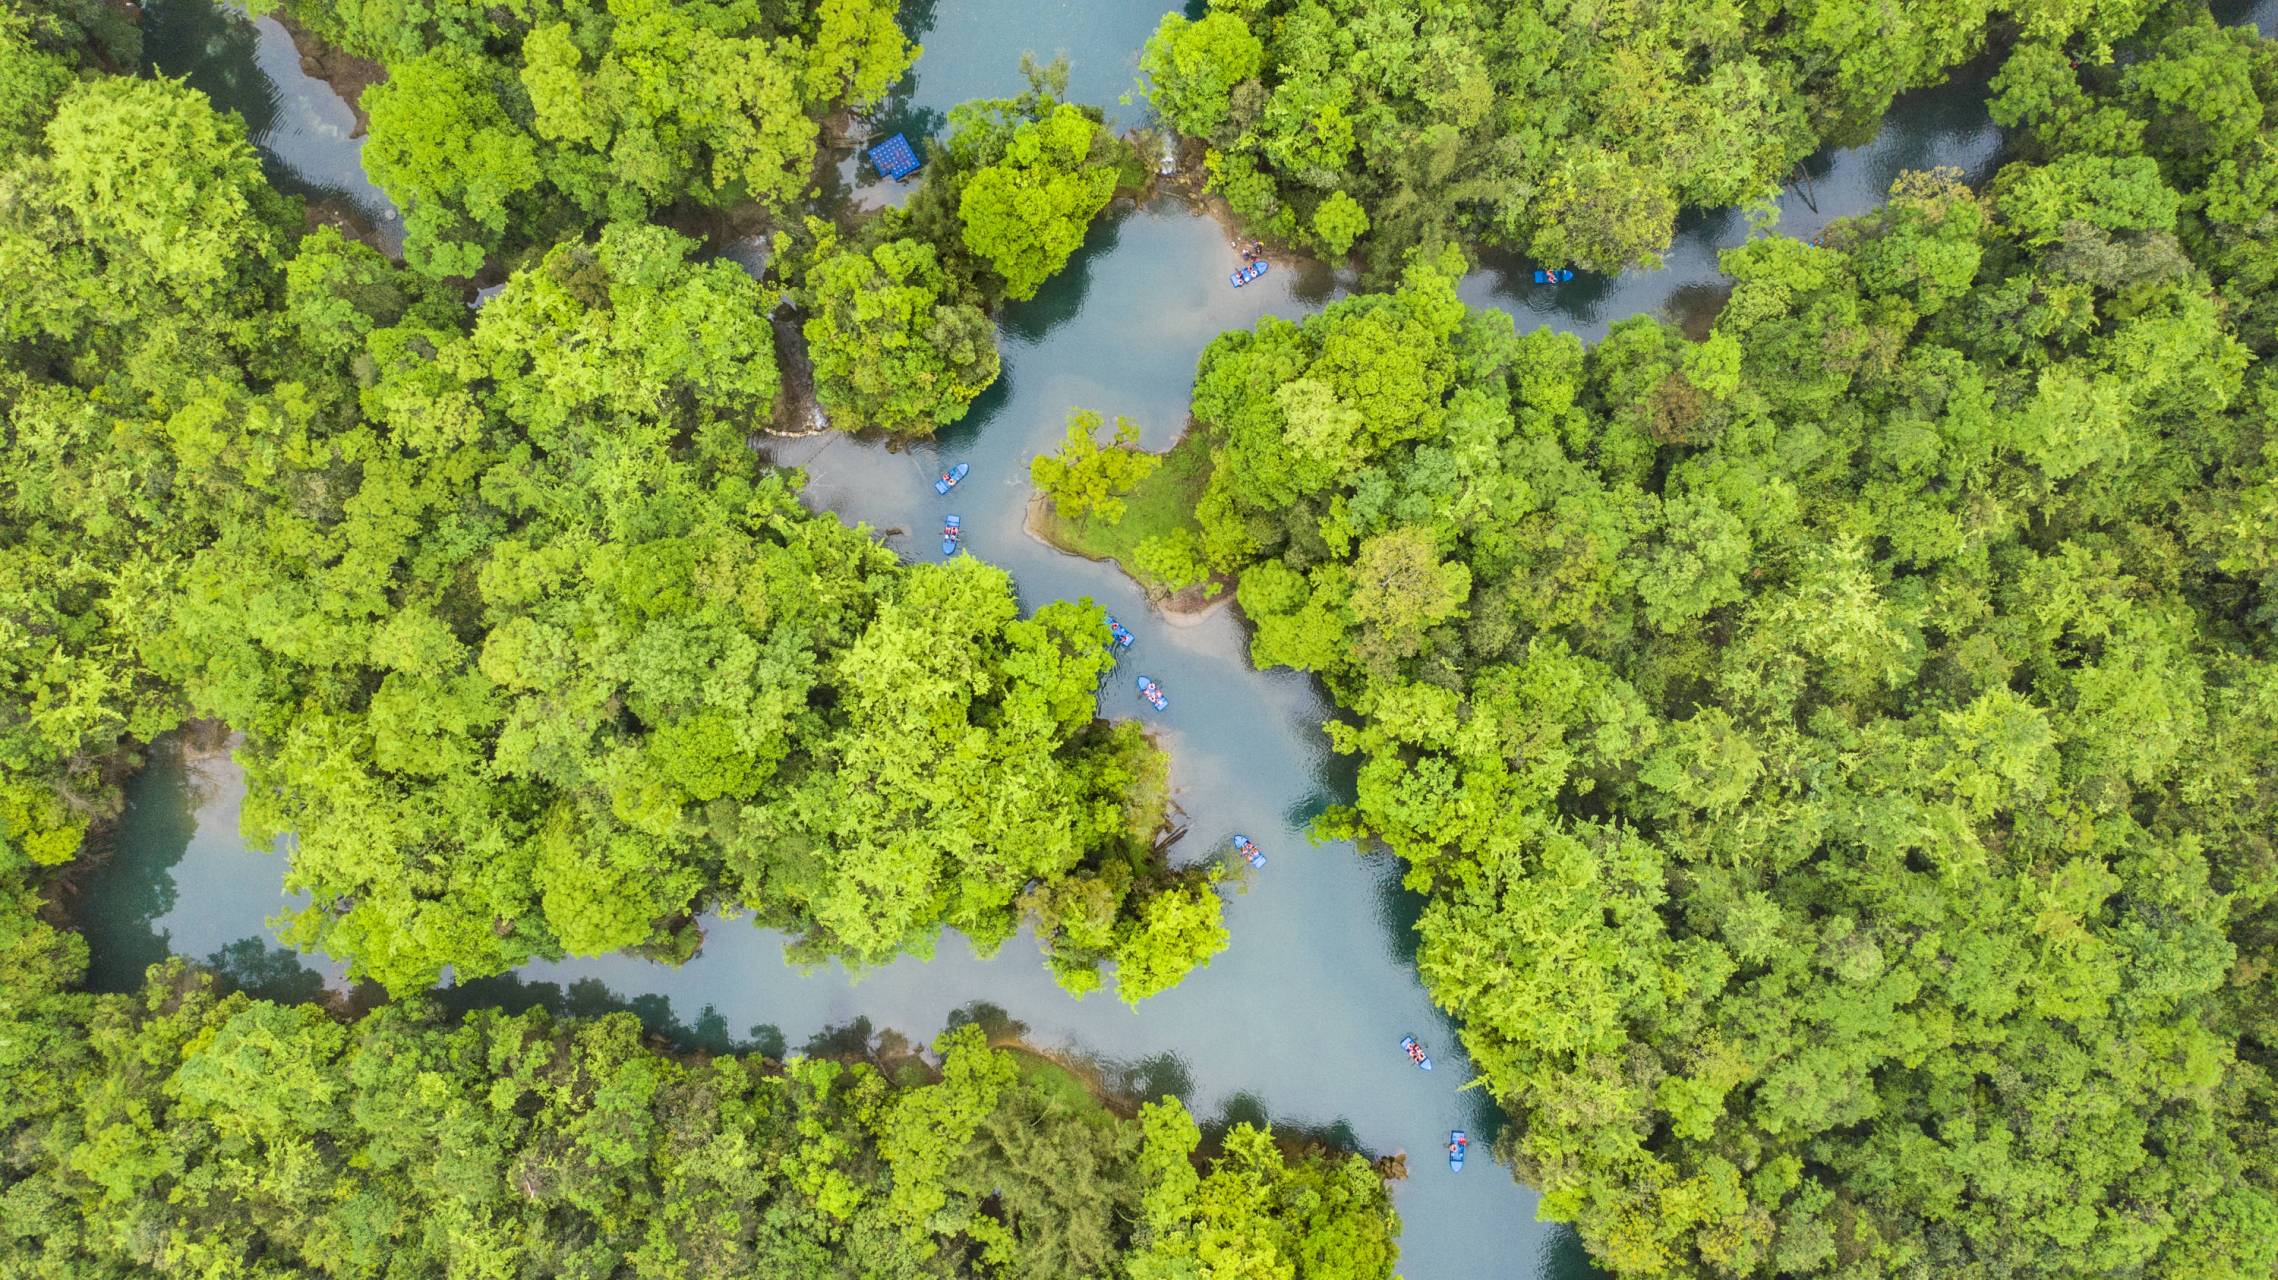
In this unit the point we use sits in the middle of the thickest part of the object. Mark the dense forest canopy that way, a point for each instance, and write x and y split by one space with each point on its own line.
1839 751
1570 131
896 328
534 655
187 1132
1836 749
506 127
529 648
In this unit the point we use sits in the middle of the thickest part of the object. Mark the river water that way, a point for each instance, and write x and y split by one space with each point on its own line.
1298 1022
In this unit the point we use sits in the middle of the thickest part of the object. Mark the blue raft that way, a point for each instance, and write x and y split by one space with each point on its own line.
1249 849
949 478
1457 1140
1248 273
895 158
1558 275
951 535
1416 1052
1154 694
1122 634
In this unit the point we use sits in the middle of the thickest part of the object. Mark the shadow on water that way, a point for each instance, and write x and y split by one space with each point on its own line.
1064 295
214 50
266 971
708 1031
1250 1109
1563 1257
123 899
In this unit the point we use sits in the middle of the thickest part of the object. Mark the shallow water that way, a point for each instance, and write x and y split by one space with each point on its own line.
1299 1021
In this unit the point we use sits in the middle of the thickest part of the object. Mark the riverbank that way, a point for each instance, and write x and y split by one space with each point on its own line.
1159 509
347 74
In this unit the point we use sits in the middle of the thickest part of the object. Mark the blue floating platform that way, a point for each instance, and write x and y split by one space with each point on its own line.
895 158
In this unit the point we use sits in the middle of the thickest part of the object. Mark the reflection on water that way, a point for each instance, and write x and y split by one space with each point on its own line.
1930 127
250 66
180 879
975 53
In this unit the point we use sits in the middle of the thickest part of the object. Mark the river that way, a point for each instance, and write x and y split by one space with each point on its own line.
1298 1022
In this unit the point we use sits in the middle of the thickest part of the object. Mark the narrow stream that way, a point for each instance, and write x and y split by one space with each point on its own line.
1299 1021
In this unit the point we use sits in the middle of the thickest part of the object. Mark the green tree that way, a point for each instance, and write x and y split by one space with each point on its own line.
1026 213
893 344
1193 67
1086 478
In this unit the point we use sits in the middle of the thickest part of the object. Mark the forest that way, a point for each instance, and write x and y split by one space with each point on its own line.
1567 132
1833 744
191 1132
1837 746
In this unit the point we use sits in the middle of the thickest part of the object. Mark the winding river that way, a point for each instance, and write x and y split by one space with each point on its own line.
1298 1022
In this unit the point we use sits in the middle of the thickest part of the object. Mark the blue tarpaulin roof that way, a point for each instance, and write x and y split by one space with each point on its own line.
894 157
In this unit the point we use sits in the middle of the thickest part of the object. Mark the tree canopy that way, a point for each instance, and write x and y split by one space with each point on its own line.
1838 751
187 1129
502 128
1087 478
529 650
1573 136
894 342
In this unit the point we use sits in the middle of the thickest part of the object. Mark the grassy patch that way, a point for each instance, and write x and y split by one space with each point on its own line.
1163 503
1148 811
1054 1080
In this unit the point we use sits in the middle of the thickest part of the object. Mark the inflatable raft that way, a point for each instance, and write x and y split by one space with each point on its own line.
951 535
1154 694
1457 1140
1416 1052
1247 274
1249 849
949 478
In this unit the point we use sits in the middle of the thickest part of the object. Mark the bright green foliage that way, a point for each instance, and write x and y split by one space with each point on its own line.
1176 931
1339 221
1572 135
529 652
552 668
444 147
1153 532
1194 66
894 344
141 246
1026 211
31 79
1086 478
500 127
1837 753
1256 1215
184 1129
